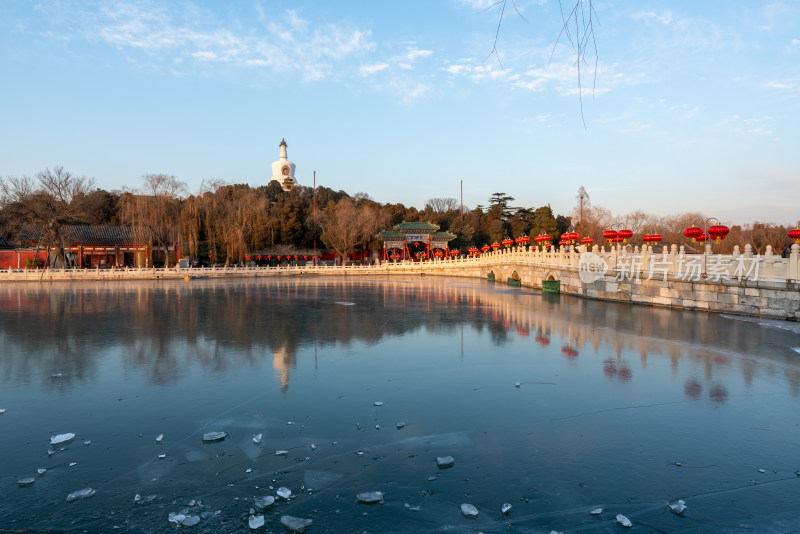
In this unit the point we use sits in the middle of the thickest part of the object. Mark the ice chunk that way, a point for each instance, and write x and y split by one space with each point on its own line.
762 471
248 470
60 439
370 497
281 452
596 511
296 524
677 507
2 411
412 508
284 493
377 427
159 438
517 384
256 521
444 462
176 518
73 464
41 471
84 493
313 447
162 456
263 502
378 403
191 521
257 439
505 509
468 510
211 437
624 521
87 442
400 425
25 482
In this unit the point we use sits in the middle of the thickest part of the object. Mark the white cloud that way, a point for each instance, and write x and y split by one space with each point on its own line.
285 42
366 70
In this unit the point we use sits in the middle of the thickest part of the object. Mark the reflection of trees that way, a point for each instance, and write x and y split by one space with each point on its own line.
165 327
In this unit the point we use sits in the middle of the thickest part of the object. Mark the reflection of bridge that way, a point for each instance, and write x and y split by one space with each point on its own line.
742 283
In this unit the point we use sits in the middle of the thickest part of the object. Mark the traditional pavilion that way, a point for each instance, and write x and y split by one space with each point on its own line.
283 170
420 240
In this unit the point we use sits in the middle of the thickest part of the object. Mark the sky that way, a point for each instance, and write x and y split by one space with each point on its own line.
674 106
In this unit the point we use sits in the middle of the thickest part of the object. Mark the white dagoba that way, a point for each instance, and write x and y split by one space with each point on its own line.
283 170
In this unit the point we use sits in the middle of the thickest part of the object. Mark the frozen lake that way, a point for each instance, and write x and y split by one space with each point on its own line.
554 405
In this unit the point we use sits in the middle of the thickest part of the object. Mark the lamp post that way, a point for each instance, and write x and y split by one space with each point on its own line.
716 232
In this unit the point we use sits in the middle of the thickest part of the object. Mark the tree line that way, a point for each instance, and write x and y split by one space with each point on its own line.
229 222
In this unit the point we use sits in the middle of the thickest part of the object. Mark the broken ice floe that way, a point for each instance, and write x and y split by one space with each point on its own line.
73 464
344 303
60 439
400 425
264 502
468 510
517 384
624 521
296 524
211 437
2 411
762 471
25 482
159 438
284 493
256 521
596 511
84 493
87 442
378 403
505 509
444 462
678 507
41 471
412 508
313 447
191 521
257 439
370 497
281 452
162 456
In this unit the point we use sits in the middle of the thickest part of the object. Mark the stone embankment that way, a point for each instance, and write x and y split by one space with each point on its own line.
742 283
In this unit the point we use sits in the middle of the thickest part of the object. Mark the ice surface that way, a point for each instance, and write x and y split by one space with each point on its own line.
84 493
296 524
319 479
60 439
469 510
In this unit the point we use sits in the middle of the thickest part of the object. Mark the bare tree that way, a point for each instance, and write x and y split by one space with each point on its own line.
45 205
154 211
440 206
345 225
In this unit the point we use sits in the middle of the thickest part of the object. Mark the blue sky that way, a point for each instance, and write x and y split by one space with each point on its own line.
693 106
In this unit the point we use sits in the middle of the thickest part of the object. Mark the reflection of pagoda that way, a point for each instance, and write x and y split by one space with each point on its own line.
412 238
281 361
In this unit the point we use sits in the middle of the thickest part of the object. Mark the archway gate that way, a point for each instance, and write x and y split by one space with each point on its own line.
413 237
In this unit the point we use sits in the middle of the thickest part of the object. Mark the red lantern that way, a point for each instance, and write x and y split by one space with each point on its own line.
522 240
718 232
625 234
693 232
269 257
495 245
210 255
795 234
416 243
247 257
454 252
485 248
652 239
278 257
617 239
701 238
587 241
507 242
563 242
609 235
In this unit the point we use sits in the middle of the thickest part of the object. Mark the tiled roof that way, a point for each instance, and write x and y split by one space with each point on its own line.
416 226
78 234
443 235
